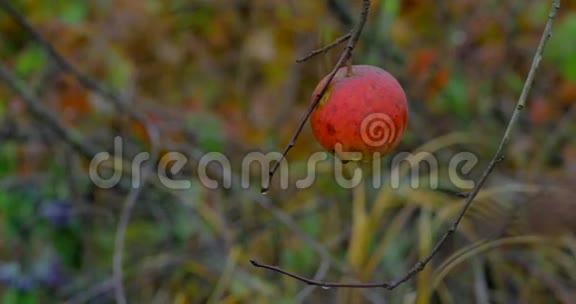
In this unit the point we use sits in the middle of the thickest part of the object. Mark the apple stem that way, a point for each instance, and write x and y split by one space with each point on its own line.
349 67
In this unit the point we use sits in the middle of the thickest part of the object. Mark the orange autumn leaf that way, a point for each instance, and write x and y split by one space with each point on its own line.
567 92
72 100
541 110
425 67
438 81
140 130
422 60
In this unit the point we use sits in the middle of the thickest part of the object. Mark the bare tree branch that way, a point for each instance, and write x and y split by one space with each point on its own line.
498 157
120 104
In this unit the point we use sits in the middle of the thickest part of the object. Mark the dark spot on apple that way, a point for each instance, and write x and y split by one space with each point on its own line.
330 129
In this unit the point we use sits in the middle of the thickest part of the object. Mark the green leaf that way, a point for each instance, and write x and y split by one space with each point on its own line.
121 69
300 258
69 246
140 234
514 81
16 210
454 97
10 296
29 60
560 49
3 104
239 288
538 12
392 7
209 131
8 158
14 296
73 12
201 16
28 298
309 224
183 226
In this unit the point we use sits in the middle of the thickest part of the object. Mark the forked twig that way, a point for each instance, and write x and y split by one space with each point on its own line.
346 55
498 157
326 48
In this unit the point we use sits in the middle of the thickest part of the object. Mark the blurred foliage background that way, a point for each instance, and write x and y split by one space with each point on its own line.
220 76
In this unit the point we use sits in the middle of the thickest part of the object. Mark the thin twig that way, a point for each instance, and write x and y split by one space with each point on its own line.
326 48
320 273
346 55
498 157
120 237
126 213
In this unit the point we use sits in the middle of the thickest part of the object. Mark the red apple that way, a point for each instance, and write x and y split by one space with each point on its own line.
363 110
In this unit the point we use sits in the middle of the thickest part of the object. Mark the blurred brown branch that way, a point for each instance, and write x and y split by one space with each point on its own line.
44 115
120 104
65 65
